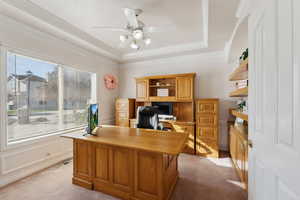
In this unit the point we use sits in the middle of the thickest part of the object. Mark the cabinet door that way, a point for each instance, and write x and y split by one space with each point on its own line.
121 165
190 144
207 107
141 90
82 159
184 88
101 156
207 148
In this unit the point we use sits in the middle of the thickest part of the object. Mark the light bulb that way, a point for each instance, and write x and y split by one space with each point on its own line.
123 38
134 45
147 41
138 34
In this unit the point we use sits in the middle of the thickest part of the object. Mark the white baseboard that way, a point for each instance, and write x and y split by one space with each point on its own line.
24 172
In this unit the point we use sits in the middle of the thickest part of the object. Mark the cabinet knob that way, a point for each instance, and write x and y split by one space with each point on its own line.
250 144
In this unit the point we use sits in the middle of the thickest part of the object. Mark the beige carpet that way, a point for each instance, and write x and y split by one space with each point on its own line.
200 179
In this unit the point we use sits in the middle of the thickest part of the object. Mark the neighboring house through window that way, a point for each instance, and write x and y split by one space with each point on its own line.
44 98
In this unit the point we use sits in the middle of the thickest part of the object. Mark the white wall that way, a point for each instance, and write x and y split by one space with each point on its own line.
20 161
211 80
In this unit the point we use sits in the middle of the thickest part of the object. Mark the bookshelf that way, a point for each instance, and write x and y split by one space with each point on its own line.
239 114
240 73
241 92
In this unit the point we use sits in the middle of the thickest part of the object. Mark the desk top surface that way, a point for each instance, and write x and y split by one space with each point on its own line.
142 139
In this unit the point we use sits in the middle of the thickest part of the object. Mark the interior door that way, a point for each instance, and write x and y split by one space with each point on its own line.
274 98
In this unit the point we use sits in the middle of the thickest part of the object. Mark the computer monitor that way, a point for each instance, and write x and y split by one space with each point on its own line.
164 108
92 118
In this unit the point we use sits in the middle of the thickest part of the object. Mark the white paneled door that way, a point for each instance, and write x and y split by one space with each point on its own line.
274 100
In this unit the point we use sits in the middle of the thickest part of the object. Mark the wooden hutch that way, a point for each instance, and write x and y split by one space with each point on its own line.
203 131
180 89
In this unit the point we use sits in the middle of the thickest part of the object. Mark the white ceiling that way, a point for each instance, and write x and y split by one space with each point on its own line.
194 21
186 17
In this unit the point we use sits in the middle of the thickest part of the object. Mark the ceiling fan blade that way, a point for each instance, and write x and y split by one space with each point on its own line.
154 29
110 28
131 16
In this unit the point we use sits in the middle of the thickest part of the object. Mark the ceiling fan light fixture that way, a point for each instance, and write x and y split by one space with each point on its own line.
138 34
147 41
123 38
134 45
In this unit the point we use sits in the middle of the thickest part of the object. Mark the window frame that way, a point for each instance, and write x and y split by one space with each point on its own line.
4 143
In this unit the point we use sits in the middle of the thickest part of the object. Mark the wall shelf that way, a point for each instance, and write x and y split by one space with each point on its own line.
242 92
161 86
239 115
240 73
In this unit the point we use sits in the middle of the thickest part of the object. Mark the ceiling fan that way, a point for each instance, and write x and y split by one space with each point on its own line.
135 34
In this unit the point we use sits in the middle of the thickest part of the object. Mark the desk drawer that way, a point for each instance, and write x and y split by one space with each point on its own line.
207 132
207 120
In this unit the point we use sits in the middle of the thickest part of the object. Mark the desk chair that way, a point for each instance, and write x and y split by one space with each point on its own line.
147 117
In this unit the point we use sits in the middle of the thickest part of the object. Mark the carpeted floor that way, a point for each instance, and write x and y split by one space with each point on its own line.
200 179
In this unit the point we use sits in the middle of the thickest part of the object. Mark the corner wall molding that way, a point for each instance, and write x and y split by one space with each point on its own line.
28 13
243 9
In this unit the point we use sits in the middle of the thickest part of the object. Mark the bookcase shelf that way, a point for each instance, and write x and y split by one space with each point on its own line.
239 115
240 73
161 86
242 92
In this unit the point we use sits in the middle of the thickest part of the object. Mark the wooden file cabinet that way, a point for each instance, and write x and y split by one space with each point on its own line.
125 109
207 130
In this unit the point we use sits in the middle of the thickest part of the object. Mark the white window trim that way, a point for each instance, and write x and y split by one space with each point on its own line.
4 145
41 138
3 92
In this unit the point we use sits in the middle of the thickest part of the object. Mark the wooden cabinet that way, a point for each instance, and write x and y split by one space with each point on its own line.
82 154
125 110
239 153
113 169
184 88
132 123
179 87
142 89
207 130
189 128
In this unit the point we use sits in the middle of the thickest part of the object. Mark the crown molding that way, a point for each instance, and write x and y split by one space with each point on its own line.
201 55
164 52
205 11
29 13
242 14
243 9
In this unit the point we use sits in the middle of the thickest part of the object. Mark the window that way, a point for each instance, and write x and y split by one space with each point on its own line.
44 98
77 95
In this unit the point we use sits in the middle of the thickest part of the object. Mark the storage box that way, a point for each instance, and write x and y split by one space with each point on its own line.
162 92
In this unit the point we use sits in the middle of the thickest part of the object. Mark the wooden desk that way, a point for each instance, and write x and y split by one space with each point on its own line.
178 126
129 163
